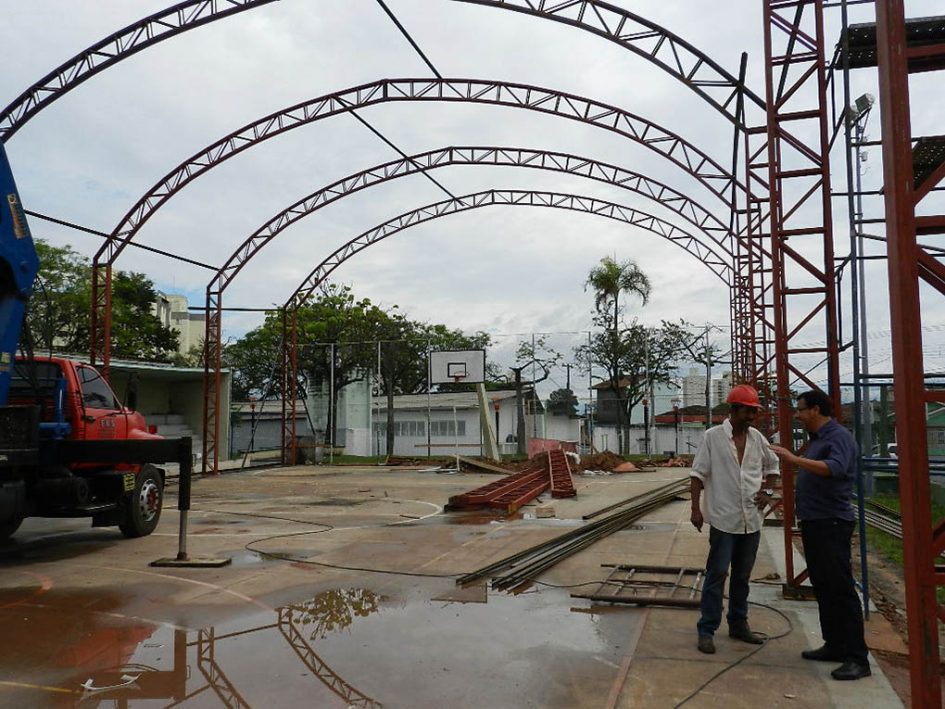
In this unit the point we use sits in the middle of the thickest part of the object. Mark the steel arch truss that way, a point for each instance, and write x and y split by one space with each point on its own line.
671 53
649 40
648 134
117 46
704 221
556 200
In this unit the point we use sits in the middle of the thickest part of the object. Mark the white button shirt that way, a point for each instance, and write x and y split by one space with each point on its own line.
729 488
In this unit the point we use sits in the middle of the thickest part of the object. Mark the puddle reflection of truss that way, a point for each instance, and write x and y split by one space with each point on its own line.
230 696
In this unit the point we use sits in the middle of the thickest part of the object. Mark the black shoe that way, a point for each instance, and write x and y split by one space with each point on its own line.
822 654
851 670
743 633
706 644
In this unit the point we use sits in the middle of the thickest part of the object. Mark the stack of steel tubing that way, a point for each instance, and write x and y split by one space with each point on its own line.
562 485
509 488
518 569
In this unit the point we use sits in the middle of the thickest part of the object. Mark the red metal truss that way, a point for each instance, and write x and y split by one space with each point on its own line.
484 494
557 200
719 238
642 36
117 46
562 484
801 225
719 266
910 265
692 160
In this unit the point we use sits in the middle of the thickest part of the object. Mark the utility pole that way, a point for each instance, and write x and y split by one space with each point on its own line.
708 380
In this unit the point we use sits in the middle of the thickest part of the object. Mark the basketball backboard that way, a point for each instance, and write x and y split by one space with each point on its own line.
453 366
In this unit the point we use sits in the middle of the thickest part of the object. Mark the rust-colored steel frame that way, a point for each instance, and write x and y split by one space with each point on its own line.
703 168
117 46
801 222
910 265
645 38
671 53
486 198
687 208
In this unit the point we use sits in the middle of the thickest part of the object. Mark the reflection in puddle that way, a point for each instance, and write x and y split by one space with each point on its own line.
334 610
338 648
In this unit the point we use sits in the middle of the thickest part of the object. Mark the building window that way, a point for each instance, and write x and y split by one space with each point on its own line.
936 436
411 429
447 428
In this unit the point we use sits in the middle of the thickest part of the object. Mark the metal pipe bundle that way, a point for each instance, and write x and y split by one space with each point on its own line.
517 569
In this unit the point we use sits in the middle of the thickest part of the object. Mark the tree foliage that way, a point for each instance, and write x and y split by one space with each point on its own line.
355 334
59 314
609 280
563 402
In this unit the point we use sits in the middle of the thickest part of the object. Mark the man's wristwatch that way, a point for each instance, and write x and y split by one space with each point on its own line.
768 491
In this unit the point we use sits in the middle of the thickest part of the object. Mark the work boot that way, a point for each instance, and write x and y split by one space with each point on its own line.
706 644
851 670
742 632
823 654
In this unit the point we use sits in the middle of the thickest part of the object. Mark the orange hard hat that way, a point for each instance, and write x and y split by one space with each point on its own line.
745 395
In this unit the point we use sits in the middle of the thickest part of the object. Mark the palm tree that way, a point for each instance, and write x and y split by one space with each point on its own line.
610 279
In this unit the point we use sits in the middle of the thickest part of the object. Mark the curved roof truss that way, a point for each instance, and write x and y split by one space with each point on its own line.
645 38
718 236
674 148
488 198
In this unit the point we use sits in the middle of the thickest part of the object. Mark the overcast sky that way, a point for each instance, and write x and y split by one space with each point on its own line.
509 271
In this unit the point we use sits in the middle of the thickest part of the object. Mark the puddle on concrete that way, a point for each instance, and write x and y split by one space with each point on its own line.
337 648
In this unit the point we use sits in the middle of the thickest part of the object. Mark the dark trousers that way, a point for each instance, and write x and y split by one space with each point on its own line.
727 550
827 549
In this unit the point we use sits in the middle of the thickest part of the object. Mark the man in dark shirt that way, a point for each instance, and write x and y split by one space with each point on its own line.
824 487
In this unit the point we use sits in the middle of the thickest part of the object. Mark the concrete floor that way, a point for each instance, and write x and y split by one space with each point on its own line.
323 625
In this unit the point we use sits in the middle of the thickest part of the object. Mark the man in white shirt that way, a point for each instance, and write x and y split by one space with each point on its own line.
730 465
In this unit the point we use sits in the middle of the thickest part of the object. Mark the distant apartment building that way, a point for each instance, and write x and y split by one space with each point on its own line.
693 388
172 310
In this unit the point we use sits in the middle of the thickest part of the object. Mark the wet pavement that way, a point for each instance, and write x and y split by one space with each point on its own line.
341 593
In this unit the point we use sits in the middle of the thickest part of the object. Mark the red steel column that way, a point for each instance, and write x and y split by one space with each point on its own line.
909 264
804 290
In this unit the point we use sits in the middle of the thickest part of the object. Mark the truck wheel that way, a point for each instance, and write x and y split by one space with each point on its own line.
143 508
8 528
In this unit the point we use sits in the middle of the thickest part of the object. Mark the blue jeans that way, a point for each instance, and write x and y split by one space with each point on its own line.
727 550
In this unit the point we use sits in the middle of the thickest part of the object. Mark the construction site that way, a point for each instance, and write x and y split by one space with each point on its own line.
171 535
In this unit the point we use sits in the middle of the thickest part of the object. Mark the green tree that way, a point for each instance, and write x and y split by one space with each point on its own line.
635 358
137 333
609 280
563 402
610 347
58 316
539 354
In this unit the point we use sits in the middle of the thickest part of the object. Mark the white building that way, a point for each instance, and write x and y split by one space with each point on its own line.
693 388
172 311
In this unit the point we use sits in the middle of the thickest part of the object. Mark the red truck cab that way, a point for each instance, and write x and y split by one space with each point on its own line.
75 402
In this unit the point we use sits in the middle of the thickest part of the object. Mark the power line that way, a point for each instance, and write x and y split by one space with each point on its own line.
93 232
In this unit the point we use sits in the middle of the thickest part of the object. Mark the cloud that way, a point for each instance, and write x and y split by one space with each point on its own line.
91 155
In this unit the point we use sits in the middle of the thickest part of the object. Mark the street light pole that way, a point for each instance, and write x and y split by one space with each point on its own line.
646 426
675 403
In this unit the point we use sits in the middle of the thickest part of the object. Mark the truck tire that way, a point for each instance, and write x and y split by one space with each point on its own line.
8 528
143 506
